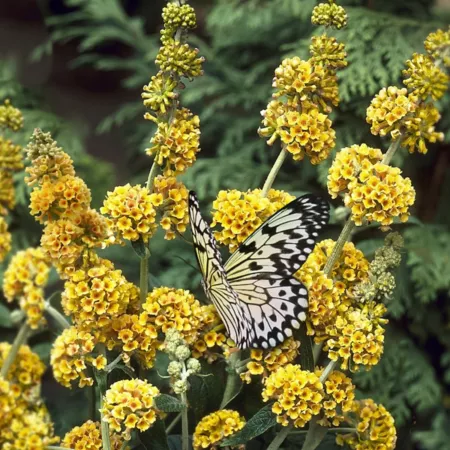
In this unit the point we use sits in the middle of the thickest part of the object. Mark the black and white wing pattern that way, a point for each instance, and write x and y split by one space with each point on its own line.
255 292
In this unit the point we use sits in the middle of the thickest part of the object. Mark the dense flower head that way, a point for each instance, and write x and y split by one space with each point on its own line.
298 394
135 335
216 427
132 212
264 362
173 308
88 437
25 372
66 197
10 117
328 51
374 427
424 78
338 399
30 430
179 58
49 168
437 44
10 155
174 207
159 94
304 80
178 16
420 128
241 213
305 132
66 241
93 295
25 279
41 144
129 404
348 164
8 398
71 354
5 239
7 192
388 109
329 15
176 144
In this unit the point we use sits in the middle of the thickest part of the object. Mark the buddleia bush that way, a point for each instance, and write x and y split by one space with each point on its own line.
153 353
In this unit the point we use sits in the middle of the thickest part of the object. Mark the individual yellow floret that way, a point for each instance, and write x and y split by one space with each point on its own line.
216 427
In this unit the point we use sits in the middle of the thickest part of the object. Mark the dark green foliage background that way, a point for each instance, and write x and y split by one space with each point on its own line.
243 42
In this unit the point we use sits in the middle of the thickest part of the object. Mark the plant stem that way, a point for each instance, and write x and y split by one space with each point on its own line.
92 402
152 175
343 430
143 279
273 172
342 239
173 423
315 435
330 367
279 438
184 424
232 379
317 348
102 382
57 316
20 339
391 151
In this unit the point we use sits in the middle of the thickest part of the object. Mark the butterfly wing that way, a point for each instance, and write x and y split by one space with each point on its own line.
261 270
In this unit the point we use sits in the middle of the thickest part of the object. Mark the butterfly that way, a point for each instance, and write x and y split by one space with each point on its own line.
254 292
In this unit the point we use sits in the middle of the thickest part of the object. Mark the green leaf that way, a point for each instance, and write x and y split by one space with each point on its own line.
168 404
155 438
140 248
5 317
258 424
43 351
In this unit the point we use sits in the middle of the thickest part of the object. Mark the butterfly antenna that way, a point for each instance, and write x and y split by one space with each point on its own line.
188 263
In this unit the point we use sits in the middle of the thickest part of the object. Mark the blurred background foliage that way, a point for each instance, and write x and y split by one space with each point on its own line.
114 43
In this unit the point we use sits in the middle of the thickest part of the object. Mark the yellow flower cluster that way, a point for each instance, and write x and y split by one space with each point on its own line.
177 17
129 404
70 356
176 145
301 79
338 399
132 212
88 437
7 192
375 427
159 94
437 45
10 117
10 155
178 309
424 78
264 362
298 394
241 213
65 198
25 279
372 190
329 15
216 427
31 429
25 372
328 51
7 403
5 239
175 214
135 335
94 294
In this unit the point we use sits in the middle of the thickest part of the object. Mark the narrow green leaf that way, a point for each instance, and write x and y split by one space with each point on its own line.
306 350
155 438
258 424
140 248
168 404
5 317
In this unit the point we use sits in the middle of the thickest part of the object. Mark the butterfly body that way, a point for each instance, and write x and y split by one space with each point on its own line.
254 292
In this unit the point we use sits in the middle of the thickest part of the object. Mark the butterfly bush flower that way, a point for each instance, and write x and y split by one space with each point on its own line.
10 156
129 405
374 427
328 51
437 45
5 239
8 398
297 393
25 280
71 354
329 15
25 373
177 17
241 213
10 117
7 192
175 145
264 362
159 94
88 437
216 427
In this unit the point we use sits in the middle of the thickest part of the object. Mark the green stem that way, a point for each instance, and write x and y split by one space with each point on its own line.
325 374
317 348
57 316
184 424
343 430
315 435
20 339
232 379
273 172
173 423
102 381
279 438
92 402
391 151
342 239
152 175
143 280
